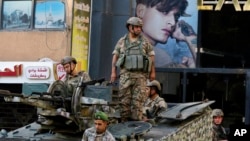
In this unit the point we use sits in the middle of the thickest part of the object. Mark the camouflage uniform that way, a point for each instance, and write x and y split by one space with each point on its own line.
91 135
132 86
152 105
219 133
72 81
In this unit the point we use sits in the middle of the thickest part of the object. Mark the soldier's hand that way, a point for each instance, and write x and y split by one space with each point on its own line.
113 77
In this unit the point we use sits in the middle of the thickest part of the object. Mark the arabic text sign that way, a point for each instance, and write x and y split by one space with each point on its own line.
60 73
9 72
81 32
37 72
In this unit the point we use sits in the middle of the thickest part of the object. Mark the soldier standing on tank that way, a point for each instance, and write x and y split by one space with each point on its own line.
154 103
72 75
99 132
134 55
219 132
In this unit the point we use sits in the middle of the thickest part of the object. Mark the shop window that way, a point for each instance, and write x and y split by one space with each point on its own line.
49 15
16 14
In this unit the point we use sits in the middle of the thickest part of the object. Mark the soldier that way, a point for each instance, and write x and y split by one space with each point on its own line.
73 76
134 55
99 132
154 103
219 132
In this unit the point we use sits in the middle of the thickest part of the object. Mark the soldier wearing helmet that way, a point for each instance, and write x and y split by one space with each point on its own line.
72 75
219 132
134 55
134 22
154 103
69 64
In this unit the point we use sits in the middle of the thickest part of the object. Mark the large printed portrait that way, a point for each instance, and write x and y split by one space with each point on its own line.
171 27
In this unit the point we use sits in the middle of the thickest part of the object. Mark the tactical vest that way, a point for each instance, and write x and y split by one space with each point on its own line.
133 58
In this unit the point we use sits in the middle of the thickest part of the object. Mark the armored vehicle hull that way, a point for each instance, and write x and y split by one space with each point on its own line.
64 117
196 125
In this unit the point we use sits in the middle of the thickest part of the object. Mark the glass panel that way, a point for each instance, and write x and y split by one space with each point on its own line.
16 14
49 14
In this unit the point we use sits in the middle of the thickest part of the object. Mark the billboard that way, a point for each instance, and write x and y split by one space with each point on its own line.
171 27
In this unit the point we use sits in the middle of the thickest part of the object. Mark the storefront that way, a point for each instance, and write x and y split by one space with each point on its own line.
25 78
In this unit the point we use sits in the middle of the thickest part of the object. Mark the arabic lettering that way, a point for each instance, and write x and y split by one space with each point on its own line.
8 72
34 75
37 72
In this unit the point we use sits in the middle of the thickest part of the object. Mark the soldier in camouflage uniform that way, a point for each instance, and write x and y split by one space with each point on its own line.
154 103
134 55
219 132
73 76
99 132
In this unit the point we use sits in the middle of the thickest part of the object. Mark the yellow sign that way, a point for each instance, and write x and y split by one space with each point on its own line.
81 32
208 4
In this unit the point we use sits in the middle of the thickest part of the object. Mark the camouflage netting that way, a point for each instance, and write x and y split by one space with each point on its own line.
198 128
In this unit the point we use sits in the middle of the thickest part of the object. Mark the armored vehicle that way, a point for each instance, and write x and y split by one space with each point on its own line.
64 117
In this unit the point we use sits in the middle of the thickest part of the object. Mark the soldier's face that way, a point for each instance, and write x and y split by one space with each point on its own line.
68 67
135 30
100 126
217 119
152 91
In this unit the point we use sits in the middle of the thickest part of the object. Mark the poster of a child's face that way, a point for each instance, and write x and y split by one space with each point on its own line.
171 27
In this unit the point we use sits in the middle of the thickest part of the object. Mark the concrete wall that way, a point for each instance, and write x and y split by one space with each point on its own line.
32 44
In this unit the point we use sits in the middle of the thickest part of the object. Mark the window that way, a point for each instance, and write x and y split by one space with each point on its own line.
49 14
18 14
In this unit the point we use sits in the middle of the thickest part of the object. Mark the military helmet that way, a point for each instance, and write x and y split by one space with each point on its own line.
68 59
217 112
134 21
154 83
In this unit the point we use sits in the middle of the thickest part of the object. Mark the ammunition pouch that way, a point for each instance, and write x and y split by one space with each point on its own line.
134 62
138 63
